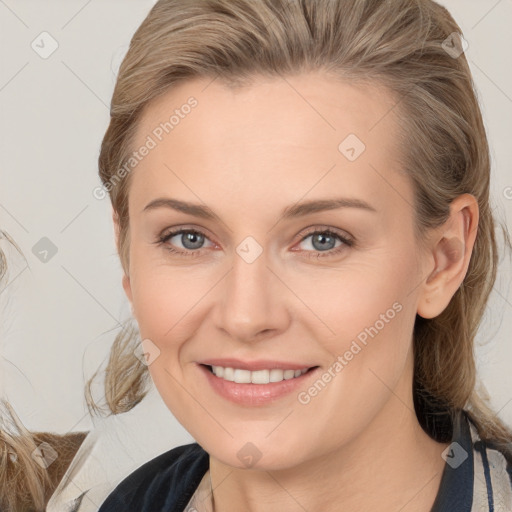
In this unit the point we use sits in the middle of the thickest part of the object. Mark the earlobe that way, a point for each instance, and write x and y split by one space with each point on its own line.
451 251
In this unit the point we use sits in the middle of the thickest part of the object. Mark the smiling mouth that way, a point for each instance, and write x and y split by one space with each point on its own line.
266 376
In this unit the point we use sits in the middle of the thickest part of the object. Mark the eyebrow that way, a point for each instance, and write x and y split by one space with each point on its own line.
293 211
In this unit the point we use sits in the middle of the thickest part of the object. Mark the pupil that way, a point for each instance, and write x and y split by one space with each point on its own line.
320 237
189 238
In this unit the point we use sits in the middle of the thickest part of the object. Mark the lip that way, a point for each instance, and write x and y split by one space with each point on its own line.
255 394
256 365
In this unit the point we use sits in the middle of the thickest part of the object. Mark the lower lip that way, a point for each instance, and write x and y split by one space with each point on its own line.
254 394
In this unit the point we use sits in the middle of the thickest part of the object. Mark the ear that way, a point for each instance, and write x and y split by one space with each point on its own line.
126 279
450 250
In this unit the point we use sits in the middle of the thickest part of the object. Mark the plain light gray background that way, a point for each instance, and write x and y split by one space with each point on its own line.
59 317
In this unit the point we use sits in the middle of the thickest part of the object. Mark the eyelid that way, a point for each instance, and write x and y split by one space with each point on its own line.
318 228
173 231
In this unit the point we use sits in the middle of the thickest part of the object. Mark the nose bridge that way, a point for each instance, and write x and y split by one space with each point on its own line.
252 301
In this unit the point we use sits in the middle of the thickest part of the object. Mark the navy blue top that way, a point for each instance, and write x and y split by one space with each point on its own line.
167 482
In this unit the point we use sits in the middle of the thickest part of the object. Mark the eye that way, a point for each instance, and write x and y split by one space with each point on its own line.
191 240
323 243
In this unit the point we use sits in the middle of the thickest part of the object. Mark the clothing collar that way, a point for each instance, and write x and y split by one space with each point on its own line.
456 487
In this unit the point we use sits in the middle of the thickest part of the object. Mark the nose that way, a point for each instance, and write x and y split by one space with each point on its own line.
254 303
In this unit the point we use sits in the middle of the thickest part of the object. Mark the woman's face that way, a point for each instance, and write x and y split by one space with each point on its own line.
335 288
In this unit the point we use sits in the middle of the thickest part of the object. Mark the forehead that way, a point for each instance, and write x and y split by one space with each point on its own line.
288 133
297 107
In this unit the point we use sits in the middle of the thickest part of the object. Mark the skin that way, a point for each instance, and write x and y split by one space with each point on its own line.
247 154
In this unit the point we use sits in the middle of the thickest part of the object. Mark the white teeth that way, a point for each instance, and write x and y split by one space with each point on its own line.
229 373
242 376
257 376
276 375
260 377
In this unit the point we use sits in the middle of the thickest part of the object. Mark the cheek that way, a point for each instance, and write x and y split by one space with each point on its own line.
372 316
363 300
161 294
367 315
170 304
163 303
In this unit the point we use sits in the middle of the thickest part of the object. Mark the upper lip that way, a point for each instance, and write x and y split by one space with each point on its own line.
255 365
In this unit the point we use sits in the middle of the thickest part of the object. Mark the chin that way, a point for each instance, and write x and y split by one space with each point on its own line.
264 456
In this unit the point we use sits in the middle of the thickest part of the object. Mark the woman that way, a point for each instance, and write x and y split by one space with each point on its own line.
246 137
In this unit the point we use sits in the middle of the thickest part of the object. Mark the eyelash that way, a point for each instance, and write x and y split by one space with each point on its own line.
346 242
